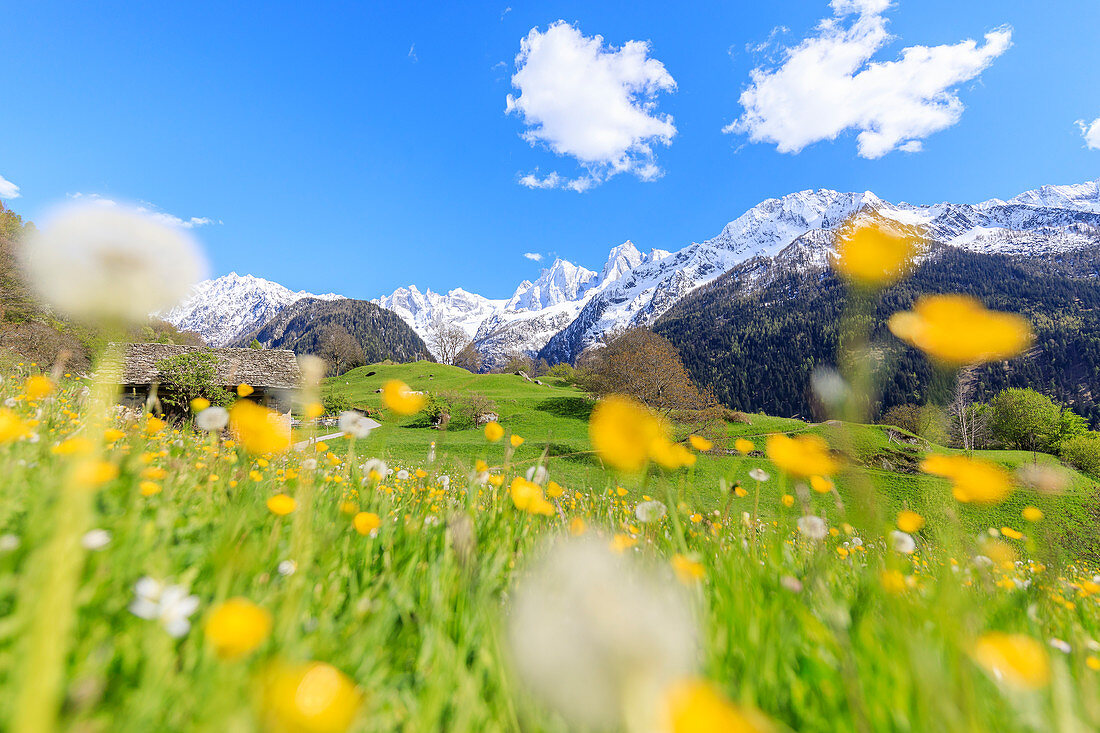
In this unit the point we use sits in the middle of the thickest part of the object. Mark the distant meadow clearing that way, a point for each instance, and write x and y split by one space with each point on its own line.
572 564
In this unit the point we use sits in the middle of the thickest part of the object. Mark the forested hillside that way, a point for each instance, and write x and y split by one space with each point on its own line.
347 333
757 347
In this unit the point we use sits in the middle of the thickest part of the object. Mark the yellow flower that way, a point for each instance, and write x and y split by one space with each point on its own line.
154 425
93 473
1011 533
527 497
113 435
1093 663
155 473
688 571
12 426
259 429
310 698
314 410
199 404
804 455
743 445
739 492
515 440
622 542
909 521
236 627
243 390
281 504
1033 514
620 491
366 522
820 484
149 488
892 581
699 443
872 254
625 433
788 500
973 480
553 489
77 445
576 527
1014 659
958 330
402 400
493 431
695 706
38 386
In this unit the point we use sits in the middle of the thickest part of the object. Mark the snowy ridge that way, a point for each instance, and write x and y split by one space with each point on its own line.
225 309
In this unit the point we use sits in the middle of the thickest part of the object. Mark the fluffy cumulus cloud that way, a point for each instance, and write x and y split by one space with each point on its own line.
8 190
592 102
828 84
535 256
147 209
1089 130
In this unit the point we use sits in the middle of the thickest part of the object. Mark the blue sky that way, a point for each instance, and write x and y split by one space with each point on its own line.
358 147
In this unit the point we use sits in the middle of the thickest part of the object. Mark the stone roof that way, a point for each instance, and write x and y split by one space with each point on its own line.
272 368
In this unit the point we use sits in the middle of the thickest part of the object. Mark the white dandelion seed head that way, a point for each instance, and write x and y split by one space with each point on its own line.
538 474
9 542
813 527
95 539
590 630
286 567
902 542
212 419
402 474
650 511
98 262
759 474
309 464
354 424
375 469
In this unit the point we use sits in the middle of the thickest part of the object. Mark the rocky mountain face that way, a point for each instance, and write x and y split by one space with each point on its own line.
226 309
569 308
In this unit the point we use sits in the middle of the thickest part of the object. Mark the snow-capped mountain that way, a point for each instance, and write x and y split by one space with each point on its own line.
226 308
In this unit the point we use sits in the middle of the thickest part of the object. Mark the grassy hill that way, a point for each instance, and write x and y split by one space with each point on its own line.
553 419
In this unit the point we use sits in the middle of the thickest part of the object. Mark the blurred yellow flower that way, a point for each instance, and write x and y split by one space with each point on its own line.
113 435
281 504
199 404
820 484
154 425
314 410
873 254
788 500
1014 659
527 497
236 627
803 456
1032 514
12 426
577 527
909 521
699 443
154 472
1011 533
621 542
149 488
76 445
553 489
625 433
973 480
398 397
515 440
244 390
744 445
688 571
739 492
892 581
259 429
310 698
958 330
493 431
695 706
38 386
92 473
366 522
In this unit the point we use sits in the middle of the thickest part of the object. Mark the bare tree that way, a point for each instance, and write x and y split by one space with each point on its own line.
468 358
340 349
446 340
968 423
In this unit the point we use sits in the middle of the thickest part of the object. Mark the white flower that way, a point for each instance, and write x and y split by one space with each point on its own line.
813 527
212 419
9 542
96 539
902 542
857 542
982 561
375 470
402 474
538 474
287 567
1061 646
791 583
309 464
650 511
169 604
592 632
431 452
445 481
759 474
356 425
99 262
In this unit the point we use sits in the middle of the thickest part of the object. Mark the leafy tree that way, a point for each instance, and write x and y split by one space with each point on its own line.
1028 420
188 376
565 373
468 358
255 344
334 403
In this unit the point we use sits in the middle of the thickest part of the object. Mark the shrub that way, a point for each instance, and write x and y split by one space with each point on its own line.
188 376
1083 453
454 410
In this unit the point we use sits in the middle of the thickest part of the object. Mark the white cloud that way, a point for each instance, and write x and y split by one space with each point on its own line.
149 210
8 190
828 84
412 53
594 103
1089 130
535 256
